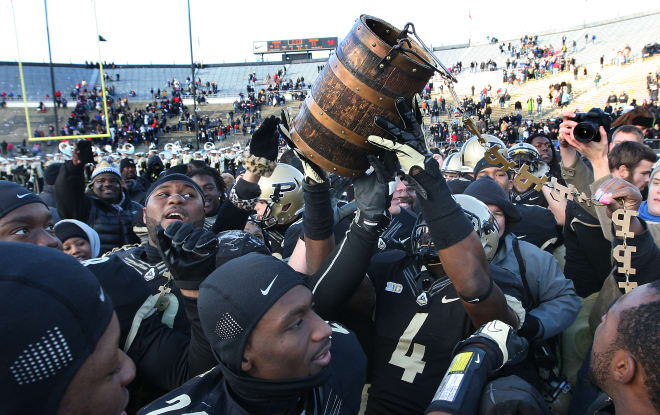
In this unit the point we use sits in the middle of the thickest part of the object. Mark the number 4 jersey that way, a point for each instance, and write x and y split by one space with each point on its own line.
418 321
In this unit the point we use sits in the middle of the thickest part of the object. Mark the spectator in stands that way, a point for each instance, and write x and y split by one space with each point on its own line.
623 98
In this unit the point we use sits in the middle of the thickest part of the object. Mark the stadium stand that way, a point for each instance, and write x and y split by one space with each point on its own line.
231 79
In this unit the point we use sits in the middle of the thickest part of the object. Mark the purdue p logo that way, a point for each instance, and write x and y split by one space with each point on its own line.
280 189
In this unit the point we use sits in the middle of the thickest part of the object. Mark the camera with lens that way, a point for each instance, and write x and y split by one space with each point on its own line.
588 125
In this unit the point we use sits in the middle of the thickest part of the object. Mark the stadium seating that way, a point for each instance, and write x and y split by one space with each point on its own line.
232 78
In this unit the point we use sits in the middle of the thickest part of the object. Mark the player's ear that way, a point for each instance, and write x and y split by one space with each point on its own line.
246 363
623 367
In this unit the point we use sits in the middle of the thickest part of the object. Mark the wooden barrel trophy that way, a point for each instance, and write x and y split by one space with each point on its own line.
373 66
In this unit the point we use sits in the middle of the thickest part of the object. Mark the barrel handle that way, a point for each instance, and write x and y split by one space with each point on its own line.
409 28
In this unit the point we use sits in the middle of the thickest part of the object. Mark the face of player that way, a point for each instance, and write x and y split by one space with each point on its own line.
99 386
544 147
30 224
211 193
260 209
401 198
78 248
499 217
499 175
290 341
606 357
451 176
170 202
107 187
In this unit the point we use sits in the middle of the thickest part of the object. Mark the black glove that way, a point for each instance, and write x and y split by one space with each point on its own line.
188 252
85 155
530 328
372 190
372 198
265 140
503 346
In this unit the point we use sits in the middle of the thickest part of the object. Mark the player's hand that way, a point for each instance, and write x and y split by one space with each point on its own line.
371 195
82 154
615 190
502 344
189 253
265 140
408 143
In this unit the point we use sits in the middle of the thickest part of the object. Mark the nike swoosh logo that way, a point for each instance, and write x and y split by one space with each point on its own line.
267 290
446 300
403 241
22 196
478 359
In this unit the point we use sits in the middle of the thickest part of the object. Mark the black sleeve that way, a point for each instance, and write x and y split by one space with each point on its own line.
646 259
168 358
70 189
230 217
342 271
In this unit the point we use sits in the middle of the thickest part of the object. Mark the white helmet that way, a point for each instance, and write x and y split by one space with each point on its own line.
524 153
452 164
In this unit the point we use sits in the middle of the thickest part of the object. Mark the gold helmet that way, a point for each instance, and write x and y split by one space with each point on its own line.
283 194
473 151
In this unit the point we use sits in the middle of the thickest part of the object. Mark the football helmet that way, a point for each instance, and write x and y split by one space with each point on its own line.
524 153
483 222
283 194
451 165
473 151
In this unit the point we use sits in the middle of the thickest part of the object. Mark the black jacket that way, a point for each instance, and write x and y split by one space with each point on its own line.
113 223
210 392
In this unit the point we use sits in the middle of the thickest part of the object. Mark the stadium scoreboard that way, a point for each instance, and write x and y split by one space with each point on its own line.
295 45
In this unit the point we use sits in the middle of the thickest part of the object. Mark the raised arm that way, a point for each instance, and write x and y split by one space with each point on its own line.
459 248
70 185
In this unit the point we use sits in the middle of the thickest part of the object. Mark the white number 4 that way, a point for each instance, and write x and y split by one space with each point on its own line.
412 364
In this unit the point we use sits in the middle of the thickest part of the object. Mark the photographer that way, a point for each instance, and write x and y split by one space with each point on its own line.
574 170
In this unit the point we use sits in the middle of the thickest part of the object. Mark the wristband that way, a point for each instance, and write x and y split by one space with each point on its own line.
481 298
373 225
260 166
245 204
445 219
246 190
461 388
318 219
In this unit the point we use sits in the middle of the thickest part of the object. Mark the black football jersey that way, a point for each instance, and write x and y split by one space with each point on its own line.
156 275
417 322
208 394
